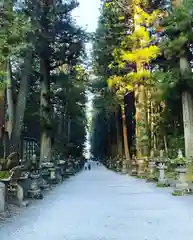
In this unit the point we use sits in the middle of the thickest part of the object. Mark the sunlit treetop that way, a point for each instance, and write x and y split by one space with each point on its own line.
135 53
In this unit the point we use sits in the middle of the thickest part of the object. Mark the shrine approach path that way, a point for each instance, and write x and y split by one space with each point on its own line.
103 205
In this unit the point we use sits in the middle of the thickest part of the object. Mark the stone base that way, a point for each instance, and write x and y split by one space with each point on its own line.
151 179
36 194
163 181
124 171
133 173
181 187
53 181
161 185
172 182
140 174
5 214
59 178
45 186
19 203
178 193
24 203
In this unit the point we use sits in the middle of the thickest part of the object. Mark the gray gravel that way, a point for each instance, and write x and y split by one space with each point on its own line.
102 205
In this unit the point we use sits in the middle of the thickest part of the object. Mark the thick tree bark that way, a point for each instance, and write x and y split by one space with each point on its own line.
10 103
61 124
137 118
125 141
2 109
21 103
46 147
119 136
2 118
69 129
145 136
45 152
142 133
45 104
108 137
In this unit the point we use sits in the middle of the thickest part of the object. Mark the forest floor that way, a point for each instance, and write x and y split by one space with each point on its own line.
103 205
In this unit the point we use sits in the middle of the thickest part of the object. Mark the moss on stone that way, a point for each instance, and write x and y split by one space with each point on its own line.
178 193
4 174
162 185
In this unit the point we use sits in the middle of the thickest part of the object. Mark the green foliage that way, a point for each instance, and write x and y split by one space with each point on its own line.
177 42
136 51
162 185
70 104
59 43
112 28
127 52
178 193
14 28
109 34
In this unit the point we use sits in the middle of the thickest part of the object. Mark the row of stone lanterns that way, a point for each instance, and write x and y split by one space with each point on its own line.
160 165
47 174
32 179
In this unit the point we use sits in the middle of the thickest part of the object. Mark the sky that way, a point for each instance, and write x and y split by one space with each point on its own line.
86 16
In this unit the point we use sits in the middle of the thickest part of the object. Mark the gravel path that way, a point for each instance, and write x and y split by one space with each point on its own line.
103 205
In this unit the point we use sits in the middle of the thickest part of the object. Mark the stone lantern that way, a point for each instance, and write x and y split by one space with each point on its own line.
140 169
151 169
35 191
162 178
2 198
181 186
133 166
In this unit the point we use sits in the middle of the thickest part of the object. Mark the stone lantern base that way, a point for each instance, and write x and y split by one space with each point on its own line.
124 167
133 168
44 185
35 191
140 169
2 198
151 171
181 186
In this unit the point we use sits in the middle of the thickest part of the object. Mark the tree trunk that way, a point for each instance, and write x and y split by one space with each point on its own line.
46 147
152 126
166 145
187 101
108 137
125 141
119 136
21 103
69 130
2 118
142 133
61 124
137 118
2 108
10 103
45 152
177 3
187 105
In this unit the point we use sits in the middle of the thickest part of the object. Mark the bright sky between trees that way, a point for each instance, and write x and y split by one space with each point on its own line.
87 17
87 14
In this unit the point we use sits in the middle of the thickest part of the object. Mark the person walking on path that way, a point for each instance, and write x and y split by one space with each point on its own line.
86 165
89 164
